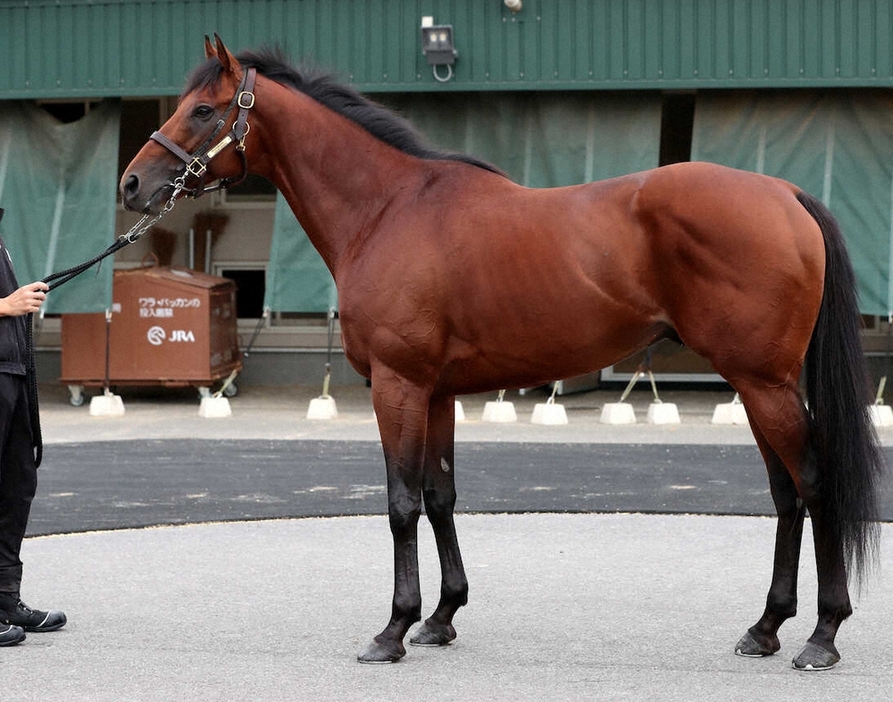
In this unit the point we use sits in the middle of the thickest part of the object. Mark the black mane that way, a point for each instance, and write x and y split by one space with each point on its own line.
379 121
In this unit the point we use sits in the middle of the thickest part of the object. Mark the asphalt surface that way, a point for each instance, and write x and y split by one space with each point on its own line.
643 601
131 483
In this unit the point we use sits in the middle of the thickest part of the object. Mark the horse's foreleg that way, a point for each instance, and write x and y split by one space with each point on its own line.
781 602
439 490
401 409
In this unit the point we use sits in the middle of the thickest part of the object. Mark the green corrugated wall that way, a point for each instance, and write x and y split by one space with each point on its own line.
87 48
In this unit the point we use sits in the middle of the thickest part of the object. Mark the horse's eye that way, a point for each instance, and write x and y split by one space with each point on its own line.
203 111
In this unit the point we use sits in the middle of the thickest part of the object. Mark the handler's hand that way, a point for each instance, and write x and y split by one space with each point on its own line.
27 298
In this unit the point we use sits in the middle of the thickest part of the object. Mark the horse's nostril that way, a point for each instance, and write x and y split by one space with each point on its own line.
131 186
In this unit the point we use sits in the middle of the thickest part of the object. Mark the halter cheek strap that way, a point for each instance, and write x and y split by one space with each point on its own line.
197 162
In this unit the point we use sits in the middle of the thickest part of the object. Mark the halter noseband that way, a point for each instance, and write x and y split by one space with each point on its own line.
197 162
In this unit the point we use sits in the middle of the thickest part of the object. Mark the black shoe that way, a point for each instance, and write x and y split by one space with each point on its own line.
11 635
14 611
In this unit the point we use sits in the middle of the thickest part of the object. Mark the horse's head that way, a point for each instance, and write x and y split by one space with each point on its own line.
204 140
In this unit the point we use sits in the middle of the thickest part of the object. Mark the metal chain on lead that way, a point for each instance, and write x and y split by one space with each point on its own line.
54 280
141 227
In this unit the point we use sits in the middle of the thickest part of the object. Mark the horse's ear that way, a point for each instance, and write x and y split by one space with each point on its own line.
210 51
228 61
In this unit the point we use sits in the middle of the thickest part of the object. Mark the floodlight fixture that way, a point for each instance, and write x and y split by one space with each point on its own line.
438 47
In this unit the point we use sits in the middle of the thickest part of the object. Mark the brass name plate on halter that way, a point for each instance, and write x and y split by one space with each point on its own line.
220 146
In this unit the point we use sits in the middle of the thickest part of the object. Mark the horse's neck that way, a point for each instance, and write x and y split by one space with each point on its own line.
335 176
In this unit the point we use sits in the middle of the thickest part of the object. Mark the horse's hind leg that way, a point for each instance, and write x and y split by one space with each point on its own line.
439 491
777 414
781 602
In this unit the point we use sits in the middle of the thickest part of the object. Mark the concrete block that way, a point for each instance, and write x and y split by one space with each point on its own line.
729 413
107 405
499 411
214 407
618 413
881 415
322 408
548 413
663 413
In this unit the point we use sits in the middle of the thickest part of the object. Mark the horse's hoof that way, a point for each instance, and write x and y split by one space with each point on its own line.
377 652
815 657
755 646
429 634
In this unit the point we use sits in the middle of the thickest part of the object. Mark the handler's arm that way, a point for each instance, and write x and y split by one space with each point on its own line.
27 298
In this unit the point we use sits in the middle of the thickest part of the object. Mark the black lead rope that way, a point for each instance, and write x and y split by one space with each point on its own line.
54 280
31 376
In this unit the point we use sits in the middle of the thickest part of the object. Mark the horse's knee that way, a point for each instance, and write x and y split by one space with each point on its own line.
439 502
403 520
404 508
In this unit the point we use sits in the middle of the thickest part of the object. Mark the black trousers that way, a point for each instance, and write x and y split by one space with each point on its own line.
18 477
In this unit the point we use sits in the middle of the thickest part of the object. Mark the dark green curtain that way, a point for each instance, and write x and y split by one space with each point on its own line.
838 145
58 185
539 139
297 278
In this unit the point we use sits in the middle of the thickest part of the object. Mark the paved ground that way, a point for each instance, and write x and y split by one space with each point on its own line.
563 606
133 483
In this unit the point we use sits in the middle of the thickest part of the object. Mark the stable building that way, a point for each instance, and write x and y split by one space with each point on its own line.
554 92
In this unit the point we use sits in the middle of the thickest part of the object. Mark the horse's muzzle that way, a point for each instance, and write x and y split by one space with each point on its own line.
130 193
135 198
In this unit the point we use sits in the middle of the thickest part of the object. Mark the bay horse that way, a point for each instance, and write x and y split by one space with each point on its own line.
453 279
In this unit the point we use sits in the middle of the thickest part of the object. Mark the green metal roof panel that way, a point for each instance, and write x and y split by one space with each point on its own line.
87 48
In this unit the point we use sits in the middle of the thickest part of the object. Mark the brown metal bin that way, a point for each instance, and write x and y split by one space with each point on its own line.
169 326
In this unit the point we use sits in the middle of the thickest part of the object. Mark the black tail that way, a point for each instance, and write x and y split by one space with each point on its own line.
843 439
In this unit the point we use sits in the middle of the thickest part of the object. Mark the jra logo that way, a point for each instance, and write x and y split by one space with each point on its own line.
180 335
158 336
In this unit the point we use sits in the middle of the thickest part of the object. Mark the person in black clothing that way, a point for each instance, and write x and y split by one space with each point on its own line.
18 440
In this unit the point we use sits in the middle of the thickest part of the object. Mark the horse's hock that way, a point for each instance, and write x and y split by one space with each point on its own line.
168 326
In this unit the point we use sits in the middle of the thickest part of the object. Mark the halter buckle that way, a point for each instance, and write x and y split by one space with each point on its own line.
196 168
245 100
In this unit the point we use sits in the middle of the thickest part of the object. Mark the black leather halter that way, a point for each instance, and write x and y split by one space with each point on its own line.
196 163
